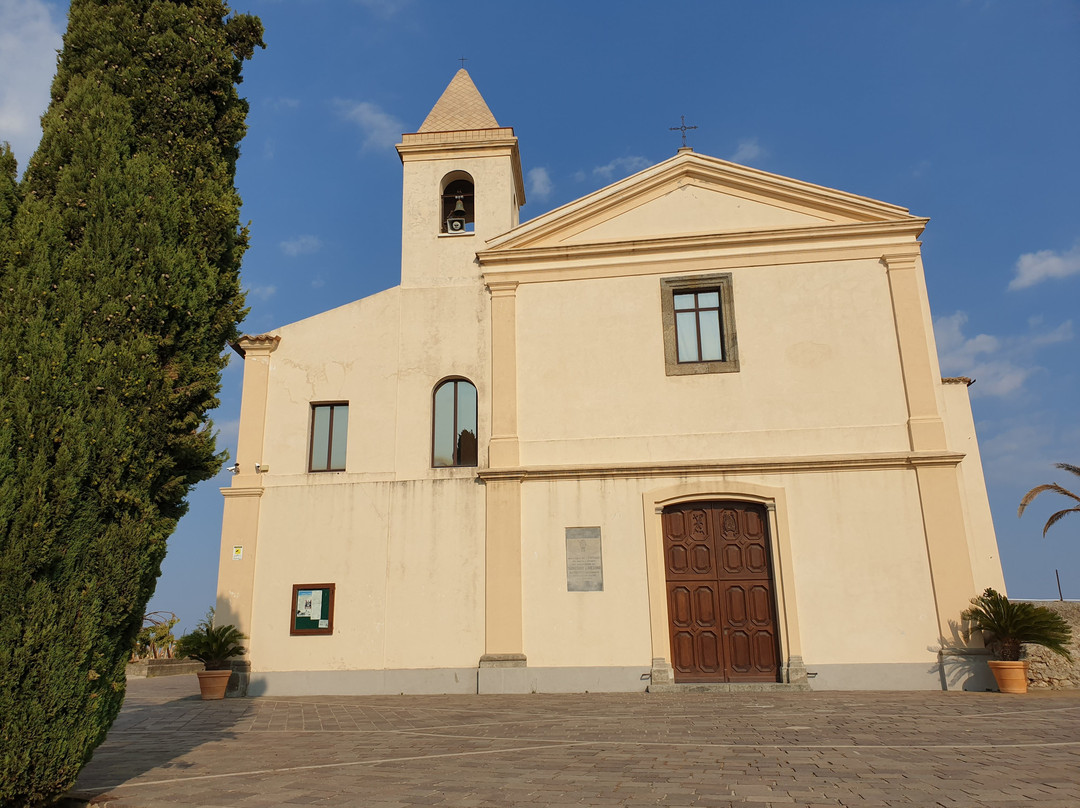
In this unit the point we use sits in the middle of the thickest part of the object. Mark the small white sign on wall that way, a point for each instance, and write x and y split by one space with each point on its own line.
238 552
584 560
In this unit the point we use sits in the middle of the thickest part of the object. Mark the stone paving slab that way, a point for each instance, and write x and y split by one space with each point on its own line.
169 748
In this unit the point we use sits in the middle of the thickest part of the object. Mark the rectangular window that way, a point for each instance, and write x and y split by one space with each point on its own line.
699 325
329 434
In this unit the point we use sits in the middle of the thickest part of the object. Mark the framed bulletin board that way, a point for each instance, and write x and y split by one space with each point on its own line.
311 610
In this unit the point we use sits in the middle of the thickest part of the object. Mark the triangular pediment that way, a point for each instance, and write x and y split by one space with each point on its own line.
690 195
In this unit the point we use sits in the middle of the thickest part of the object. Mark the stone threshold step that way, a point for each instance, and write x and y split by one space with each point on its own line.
732 687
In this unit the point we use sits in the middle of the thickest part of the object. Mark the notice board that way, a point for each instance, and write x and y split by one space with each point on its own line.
311 610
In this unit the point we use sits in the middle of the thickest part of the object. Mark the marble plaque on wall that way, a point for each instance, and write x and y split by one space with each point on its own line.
584 563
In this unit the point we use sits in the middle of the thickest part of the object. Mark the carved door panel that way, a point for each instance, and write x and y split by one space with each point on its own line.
720 594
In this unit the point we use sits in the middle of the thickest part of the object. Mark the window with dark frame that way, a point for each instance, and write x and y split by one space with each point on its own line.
697 326
453 425
329 436
698 316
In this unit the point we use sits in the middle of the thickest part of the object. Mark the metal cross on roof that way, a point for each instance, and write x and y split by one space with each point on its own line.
463 60
682 128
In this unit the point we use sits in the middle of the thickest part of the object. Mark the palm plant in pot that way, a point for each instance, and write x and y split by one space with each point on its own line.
214 646
1006 626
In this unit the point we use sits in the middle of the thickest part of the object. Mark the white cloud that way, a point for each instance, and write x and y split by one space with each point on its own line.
540 184
301 245
380 129
1033 268
29 39
621 167
748 151
282 102
1016 449
1000 364
263 293
1020 450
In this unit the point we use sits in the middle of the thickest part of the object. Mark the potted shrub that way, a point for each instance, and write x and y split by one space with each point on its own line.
1006 626
214 646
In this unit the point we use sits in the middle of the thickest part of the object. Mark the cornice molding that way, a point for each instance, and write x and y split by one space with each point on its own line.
719 250
899 259
449 136
229 493
772 465
502 287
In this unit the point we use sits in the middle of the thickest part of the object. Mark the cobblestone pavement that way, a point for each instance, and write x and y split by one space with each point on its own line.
169 748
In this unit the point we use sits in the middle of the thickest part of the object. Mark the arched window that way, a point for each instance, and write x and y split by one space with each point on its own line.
454 424
458 208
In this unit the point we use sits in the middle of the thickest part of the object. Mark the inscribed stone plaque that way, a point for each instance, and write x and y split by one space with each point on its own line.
584 564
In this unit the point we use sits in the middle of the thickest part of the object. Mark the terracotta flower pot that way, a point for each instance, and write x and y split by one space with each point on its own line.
212 684
1011 676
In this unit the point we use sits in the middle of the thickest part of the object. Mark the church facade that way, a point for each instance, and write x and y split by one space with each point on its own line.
687 430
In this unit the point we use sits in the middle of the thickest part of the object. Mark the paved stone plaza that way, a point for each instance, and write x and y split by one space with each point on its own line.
168 748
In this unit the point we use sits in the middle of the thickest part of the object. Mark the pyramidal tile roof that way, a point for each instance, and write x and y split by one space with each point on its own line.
460 107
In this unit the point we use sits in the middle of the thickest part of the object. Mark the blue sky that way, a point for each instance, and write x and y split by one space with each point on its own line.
964 112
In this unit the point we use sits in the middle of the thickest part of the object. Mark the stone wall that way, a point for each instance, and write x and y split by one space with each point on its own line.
1047 669
145 668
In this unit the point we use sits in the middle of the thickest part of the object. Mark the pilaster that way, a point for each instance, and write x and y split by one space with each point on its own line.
500 667
504 645
504 641
940 493
503 445
240 522
946 546
926 431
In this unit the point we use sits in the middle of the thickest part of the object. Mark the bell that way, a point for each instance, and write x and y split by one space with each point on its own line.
459 206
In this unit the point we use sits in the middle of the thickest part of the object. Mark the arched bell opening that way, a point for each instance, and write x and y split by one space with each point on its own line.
458 203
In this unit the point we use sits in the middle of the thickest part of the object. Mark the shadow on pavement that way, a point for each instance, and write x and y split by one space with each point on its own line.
161 721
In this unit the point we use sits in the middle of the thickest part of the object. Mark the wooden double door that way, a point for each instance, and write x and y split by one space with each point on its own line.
721 605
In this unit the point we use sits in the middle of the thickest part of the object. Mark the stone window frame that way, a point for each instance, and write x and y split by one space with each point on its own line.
716 282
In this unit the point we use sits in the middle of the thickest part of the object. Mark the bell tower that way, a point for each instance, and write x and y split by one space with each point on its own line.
462 185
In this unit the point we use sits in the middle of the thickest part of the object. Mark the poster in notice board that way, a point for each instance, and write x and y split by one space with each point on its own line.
312 609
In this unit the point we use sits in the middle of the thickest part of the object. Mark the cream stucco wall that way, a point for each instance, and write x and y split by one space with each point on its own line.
407 560
384 355
845 528
865 592
564 628
403 542
692 208
819 371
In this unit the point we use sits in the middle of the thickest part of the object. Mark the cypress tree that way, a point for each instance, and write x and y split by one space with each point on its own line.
120 253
